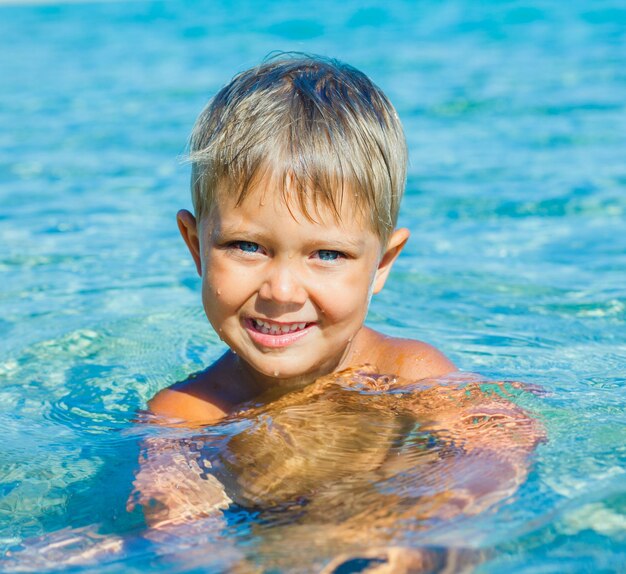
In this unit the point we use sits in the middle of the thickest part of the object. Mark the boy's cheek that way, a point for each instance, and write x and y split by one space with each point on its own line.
218 276
218 296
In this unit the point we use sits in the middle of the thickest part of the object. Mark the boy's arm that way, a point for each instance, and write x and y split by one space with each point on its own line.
489 440
489 437
173 485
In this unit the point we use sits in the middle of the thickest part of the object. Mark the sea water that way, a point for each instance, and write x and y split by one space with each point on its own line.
515 114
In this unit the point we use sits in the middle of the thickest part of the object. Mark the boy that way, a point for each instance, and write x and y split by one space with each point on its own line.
298 168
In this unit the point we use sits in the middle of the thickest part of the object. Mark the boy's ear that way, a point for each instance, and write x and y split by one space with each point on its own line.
188 227
395 244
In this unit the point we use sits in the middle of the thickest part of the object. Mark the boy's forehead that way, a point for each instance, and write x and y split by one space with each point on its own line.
281 191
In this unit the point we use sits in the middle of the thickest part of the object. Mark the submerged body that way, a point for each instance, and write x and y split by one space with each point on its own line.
354 460
361 426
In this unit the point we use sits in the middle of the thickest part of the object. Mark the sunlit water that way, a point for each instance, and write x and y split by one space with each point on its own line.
516 119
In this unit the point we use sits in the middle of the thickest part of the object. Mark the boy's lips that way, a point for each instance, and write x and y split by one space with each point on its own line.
276 334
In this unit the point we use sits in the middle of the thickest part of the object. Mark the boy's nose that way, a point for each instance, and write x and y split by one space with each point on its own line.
282 285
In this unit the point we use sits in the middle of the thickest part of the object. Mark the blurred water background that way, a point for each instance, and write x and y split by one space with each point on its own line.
515 113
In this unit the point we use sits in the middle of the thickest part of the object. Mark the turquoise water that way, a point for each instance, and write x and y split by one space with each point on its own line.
515 113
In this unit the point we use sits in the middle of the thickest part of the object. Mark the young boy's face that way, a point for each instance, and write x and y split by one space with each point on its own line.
287 294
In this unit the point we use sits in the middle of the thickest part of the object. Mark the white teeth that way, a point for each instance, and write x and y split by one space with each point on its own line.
276 329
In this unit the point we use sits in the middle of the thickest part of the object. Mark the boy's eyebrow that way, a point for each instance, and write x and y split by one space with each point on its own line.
219 234
340 242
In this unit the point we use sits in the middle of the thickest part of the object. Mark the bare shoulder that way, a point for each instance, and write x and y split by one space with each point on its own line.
181 404
202 398
409 358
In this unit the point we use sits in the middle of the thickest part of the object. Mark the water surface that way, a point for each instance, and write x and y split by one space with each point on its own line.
516 201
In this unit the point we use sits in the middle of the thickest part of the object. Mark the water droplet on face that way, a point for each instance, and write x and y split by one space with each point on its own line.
276 373
219 292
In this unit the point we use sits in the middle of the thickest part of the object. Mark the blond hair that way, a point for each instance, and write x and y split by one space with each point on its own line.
321 127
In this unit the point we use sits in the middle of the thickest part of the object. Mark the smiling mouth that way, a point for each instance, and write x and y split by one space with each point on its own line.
271 328
271 335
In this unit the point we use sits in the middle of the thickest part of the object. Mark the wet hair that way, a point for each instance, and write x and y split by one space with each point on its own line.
322 129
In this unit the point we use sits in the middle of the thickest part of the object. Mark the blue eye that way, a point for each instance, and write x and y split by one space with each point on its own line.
328 255
246 246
